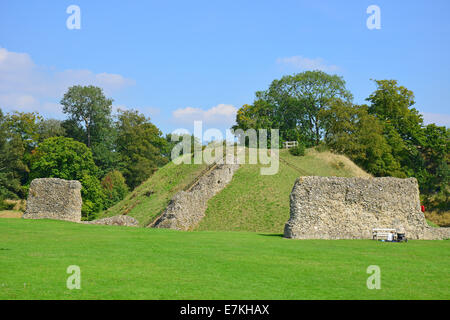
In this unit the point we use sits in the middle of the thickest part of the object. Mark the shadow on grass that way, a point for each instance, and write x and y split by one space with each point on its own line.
280 235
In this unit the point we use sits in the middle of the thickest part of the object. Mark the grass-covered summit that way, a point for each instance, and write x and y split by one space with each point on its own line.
250 202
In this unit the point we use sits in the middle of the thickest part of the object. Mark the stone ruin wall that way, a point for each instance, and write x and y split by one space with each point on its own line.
52 198
349 208
187 208
119 220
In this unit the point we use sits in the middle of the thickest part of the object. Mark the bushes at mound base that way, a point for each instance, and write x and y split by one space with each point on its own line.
114 187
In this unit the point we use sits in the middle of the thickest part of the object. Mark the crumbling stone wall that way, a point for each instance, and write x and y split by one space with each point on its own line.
120 220
349 208
52 198
186 209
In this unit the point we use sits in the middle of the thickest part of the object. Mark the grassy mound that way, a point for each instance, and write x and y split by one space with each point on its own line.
252 202
142 263
148 200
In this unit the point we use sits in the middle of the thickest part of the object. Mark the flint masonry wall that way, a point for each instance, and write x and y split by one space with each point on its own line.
52 198
119 220
186 209
349 208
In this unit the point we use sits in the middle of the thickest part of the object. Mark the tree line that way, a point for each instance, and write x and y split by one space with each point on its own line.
386 137
108 153
111 154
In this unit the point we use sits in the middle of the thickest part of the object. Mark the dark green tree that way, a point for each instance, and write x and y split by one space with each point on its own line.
293 104
115 188
22 136
9 182
423 152
140 145
351 130
90 122
50 128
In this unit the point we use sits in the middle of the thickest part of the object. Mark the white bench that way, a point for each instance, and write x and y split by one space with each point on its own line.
383 233
290 144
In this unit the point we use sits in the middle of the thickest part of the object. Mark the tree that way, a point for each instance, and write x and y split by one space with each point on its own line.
65 158
50 128
436 153
172 139
423 152
351 130
9 184
90 122
393 105
22 136
87 105
140 146
115 188
293 104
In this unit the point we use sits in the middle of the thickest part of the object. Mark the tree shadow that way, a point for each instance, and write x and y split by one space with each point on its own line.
280 235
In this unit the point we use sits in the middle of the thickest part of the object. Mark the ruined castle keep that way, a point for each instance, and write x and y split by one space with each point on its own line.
349 208
52 198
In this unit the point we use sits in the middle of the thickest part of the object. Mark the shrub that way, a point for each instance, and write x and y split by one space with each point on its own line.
298 150
322 148
114 188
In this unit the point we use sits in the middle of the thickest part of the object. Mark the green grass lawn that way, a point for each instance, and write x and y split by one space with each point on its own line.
141 263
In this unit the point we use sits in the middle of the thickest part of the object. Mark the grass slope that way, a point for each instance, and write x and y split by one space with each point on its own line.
148 200
252 202
141 263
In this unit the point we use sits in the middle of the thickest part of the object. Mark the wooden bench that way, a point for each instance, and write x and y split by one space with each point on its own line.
383 233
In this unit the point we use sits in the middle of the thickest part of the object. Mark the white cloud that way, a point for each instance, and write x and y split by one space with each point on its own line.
303 63
437 118
26 86
223 115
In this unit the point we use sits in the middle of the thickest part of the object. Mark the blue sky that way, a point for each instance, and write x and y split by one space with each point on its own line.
177 61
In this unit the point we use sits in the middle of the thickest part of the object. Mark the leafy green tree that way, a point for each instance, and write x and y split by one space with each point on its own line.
140 145
65 158
93 196
21 137
115 188
9 185
351 130
90 122
393 105
173 139
293 104
50 128
436 153
87 105
423 152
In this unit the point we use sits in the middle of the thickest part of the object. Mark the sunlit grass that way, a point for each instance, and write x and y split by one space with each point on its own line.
142 263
